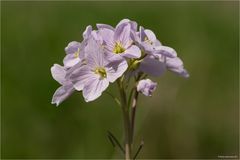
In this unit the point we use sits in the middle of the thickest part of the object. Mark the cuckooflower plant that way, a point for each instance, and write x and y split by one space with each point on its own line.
120 54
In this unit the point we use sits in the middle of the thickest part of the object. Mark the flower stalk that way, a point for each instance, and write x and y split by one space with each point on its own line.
129 113
133 113
126 119
108 55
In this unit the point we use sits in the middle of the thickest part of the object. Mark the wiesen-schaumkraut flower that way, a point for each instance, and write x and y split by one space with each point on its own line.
100 69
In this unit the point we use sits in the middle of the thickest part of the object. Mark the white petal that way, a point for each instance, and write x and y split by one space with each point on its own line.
94 53
97 37
72 47
74 68
142 34
151 36
58 73
174 62
94 88
176 65
116 67
122 34
166 51
132 23
80 77
87 32
62 93
101 26
70 60
132 52
157 43
152 66
147 47
180 71
107 37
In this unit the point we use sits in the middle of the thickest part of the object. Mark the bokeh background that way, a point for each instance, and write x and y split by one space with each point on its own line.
186 118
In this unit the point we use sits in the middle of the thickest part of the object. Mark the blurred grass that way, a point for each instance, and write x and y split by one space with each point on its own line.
193 118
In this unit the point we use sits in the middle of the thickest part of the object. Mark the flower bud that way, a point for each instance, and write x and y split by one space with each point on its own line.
146 87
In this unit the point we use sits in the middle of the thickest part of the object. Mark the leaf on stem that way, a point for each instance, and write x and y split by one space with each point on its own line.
114 98
111 140
139 149
115 142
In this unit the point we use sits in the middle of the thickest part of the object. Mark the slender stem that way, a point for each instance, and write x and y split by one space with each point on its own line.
130 96
126 119
134 106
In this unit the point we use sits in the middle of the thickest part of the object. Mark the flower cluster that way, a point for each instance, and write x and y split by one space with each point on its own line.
108 53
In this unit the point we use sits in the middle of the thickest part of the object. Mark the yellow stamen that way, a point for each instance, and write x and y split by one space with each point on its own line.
147 40
118 48
101 71
76 54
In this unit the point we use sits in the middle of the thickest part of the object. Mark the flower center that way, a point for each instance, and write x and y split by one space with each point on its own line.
76 54
118 48
147 40
101 71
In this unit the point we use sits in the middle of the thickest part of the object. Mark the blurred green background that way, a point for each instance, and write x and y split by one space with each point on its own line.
186 118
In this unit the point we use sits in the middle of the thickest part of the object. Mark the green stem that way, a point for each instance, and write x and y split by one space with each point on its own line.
127 135
130 96
126 119
134 106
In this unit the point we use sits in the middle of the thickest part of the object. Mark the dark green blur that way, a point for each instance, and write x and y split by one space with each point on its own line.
185 118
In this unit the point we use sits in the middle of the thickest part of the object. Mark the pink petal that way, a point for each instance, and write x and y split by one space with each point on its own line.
58 73
94 88
132 52
152 66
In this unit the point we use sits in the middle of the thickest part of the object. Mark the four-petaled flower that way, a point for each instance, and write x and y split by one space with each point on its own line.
100 69
119 41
